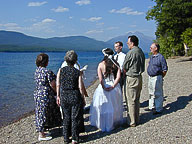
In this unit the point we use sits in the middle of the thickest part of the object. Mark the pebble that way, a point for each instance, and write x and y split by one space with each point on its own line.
174 125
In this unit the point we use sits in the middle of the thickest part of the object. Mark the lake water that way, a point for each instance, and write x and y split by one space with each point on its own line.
17 79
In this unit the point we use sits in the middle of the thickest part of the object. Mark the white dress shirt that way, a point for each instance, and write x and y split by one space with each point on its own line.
75 65
120 60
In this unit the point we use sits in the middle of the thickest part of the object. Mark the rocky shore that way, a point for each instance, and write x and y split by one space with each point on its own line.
174 125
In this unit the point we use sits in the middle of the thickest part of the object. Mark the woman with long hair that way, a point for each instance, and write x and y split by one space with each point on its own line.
106 111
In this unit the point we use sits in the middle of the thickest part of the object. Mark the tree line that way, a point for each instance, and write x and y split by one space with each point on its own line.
174 26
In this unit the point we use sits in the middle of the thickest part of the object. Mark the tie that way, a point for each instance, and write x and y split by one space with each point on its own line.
117 58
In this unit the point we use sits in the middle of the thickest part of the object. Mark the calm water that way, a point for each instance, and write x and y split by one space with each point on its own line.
17 83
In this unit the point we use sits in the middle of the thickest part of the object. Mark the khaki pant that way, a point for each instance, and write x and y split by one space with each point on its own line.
133 88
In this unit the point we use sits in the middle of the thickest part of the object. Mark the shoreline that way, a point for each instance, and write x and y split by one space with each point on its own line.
27 114
24 115
172 126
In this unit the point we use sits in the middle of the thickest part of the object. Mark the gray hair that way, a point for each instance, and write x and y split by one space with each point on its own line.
70 57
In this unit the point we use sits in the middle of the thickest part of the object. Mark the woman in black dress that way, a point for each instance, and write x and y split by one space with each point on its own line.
70 97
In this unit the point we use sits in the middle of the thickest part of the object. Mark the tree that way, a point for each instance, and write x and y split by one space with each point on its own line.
172 17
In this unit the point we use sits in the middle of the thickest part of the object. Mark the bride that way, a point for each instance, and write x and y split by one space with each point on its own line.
106 110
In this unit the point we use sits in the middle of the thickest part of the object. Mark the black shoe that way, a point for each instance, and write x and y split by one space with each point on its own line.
147 109
125 125
155 113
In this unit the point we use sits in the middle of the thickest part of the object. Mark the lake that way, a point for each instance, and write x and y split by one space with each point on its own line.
17 79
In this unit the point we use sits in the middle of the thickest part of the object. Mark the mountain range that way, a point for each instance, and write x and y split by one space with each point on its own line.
16 41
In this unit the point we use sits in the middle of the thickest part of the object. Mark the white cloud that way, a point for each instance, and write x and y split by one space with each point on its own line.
127 11
70 17
10 26
48 20
100 24
42 27
94 31
44 22
83 2
60 9
132 26
46 25
35 4
112 28
92 19
31 20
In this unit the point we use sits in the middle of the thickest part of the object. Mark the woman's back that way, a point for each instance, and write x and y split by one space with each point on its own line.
106 110
69 91
69 78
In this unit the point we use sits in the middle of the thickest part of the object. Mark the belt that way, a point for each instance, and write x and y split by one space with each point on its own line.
156 75
134 76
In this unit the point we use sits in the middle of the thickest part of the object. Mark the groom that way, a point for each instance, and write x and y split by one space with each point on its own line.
120 57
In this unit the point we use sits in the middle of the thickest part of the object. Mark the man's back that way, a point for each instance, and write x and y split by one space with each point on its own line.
134 63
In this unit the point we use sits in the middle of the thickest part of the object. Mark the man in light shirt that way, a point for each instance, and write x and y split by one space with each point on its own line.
119 57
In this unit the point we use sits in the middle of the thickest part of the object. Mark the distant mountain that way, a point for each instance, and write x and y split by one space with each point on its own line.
144 41
15 41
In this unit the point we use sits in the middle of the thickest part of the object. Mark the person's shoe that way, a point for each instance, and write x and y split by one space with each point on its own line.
133 125
147 109
48 134
125 125
44 138
74 142
155 113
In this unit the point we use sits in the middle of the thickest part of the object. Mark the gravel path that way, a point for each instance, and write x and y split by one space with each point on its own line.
174 125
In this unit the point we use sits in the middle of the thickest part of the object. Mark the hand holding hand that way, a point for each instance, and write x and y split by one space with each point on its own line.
109 88
58 101
84 102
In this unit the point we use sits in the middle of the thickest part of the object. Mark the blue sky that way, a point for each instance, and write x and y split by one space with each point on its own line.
98 19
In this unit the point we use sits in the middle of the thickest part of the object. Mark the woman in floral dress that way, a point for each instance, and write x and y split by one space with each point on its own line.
47 114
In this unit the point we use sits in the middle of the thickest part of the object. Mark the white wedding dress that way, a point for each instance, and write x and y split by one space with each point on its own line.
106 110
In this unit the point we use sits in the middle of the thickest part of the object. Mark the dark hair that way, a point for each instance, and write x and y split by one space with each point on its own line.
120 43
110 66
134 40
42 60
109 52
70 57
158 46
